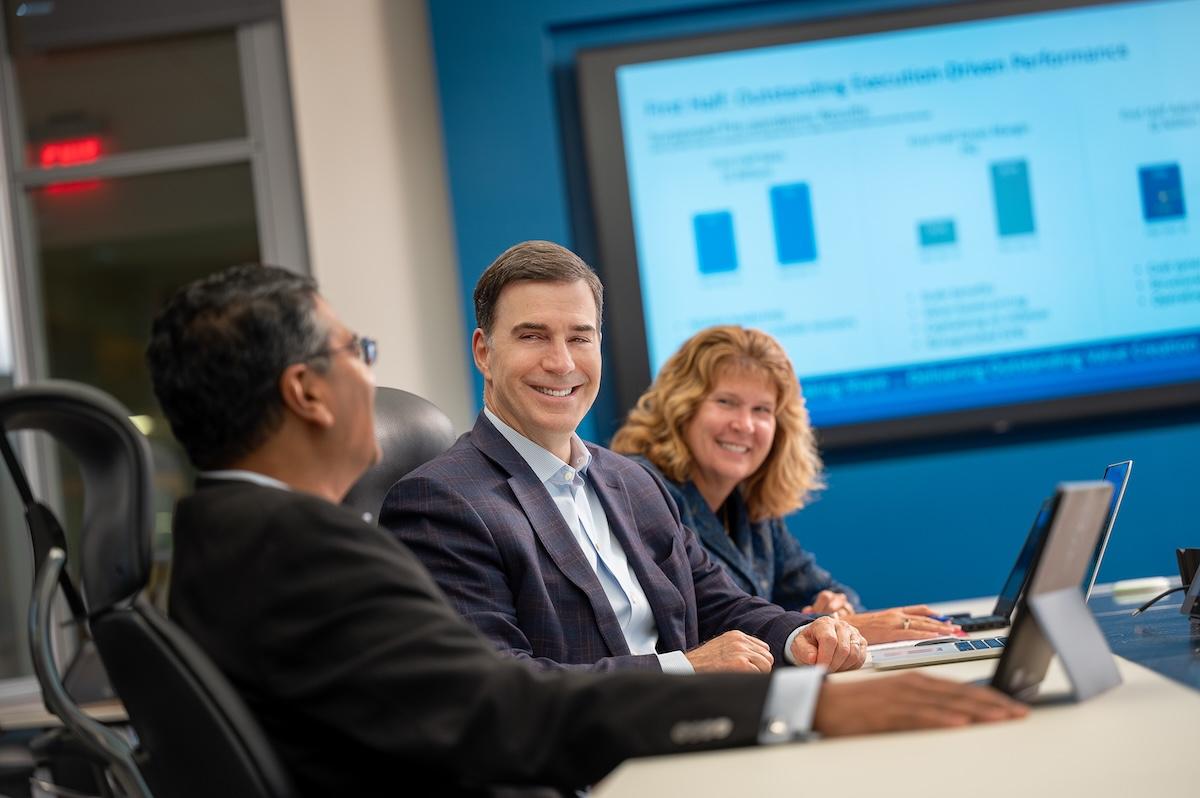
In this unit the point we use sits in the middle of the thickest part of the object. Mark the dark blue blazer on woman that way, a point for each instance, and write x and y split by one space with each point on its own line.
762 557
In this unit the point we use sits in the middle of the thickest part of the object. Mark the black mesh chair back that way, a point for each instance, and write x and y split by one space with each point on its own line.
410 431
83 756
195 735
84 678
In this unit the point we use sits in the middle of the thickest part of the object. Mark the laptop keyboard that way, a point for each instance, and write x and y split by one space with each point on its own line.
985 642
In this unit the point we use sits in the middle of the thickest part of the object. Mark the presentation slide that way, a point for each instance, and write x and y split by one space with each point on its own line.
932 219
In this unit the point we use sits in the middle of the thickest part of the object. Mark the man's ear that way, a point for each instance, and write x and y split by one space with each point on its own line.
305 394
481 350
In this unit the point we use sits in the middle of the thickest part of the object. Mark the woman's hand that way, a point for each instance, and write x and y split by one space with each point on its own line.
916 622
830 603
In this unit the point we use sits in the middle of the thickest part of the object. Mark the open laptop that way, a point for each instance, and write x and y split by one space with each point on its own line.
1073 508
1018 577
1118 475
1006 602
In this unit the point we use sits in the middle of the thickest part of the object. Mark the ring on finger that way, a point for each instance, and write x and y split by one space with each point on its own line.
907 623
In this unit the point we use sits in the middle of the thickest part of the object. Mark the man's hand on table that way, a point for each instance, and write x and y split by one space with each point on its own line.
732 651
908 701
827 641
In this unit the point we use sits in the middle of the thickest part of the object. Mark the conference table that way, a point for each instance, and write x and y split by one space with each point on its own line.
1141 738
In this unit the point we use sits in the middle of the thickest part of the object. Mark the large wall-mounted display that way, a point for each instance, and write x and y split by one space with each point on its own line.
956 217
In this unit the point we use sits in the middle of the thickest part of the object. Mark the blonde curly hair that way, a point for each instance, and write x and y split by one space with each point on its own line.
792 471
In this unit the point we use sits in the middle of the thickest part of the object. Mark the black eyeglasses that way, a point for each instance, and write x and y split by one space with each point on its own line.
365 348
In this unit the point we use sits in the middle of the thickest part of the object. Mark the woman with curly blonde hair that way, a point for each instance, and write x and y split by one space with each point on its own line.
724 425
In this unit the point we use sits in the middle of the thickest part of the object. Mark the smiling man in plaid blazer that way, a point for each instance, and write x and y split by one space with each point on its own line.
563 552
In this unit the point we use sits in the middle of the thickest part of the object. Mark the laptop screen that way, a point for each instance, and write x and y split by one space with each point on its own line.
1118 475
1020 570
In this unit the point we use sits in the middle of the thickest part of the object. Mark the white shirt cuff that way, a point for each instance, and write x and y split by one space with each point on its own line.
787 647
791 701
675 662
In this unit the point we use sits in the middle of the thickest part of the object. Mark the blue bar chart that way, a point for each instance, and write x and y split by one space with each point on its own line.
1013 198
936 232
1162 192
716 250
791 213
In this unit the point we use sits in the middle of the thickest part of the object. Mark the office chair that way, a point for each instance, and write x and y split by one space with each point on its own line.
69 763
196 737
410 430
85 679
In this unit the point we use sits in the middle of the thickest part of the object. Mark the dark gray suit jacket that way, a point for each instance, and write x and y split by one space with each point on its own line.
367 681
485 527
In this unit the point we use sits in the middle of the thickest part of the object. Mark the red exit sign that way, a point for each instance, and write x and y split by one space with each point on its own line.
69 152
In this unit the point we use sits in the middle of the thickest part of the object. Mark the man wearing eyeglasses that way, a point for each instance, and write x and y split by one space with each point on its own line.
327 400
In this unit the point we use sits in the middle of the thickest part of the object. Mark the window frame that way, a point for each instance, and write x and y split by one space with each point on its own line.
268 148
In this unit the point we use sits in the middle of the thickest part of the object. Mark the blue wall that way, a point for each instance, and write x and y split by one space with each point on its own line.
901 524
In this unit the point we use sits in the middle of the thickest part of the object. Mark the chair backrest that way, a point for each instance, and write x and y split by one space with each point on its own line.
410 431
84 679
196 737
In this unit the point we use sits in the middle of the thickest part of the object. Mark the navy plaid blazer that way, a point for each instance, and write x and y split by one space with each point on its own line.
497 545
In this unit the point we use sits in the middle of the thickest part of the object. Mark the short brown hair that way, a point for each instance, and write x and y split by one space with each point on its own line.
655 427
537 261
